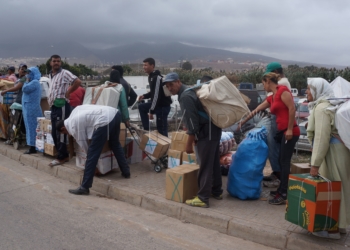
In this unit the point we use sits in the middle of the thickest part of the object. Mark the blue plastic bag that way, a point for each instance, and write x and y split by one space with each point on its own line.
246 171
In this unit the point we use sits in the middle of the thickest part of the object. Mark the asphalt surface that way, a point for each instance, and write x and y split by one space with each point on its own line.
37 212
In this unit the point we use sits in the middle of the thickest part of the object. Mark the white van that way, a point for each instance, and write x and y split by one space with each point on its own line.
294 91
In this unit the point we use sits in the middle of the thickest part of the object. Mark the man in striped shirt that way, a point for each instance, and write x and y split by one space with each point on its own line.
159 104
62 84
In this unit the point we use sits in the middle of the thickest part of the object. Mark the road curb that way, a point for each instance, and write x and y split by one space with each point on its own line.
258 233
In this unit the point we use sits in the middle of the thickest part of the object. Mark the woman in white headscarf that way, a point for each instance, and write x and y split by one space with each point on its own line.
330 158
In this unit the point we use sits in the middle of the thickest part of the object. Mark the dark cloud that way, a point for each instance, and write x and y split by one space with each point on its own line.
313 30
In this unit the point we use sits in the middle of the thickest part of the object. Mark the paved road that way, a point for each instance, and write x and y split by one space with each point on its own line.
37 212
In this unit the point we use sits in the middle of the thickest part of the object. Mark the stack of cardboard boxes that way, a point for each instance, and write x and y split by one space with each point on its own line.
155 144
177 153
40 137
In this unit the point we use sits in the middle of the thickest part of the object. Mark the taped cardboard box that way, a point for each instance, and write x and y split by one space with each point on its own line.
188 158
179 141
174 158
300 168
106 162
181 183
137 154
50 149
313 203
155 144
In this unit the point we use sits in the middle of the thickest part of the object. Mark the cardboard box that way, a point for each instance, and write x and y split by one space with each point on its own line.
174 158
49 139
105 164
181 183
313 203
300 168
47 126
179 141
155 144
50 149
188 158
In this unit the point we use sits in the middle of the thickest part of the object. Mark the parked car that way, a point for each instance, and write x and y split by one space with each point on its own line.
245 85
254 96
302 111
303 143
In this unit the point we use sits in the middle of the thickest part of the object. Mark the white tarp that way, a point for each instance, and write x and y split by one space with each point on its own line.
223 102
342 122
341 87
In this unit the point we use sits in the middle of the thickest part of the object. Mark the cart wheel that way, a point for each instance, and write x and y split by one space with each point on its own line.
157 168
16 145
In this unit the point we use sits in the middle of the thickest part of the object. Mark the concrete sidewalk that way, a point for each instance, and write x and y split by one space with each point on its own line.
256 221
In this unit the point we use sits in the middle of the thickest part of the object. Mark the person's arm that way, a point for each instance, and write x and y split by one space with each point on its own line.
145 96
15 88
261 107
123 106
287 99
31 86
322 136
158 89
132 96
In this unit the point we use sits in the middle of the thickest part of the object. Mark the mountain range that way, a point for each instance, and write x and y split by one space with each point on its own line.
167 53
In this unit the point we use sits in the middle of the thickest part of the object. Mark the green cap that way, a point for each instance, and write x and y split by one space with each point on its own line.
272 67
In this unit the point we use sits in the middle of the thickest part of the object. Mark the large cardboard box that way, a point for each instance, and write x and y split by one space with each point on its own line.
188 158
137 154
155 144
181 183
313 203
174 158
300 168
179 141
50 149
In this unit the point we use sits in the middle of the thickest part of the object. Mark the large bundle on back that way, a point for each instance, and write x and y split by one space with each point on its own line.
222 102
103 95
342 122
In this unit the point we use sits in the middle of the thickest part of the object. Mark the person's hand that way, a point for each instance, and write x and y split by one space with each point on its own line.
189 148
67 94
314 171
140 98
127 124
289 134
3 92
150 116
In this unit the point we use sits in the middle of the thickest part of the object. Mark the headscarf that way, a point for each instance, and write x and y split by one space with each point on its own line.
320 90
34 73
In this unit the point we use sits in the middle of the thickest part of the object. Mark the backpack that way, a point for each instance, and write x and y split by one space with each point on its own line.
222 102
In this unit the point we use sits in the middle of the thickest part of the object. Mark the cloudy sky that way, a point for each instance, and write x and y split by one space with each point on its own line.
310 30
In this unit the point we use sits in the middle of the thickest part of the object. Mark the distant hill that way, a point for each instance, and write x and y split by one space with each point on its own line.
168 53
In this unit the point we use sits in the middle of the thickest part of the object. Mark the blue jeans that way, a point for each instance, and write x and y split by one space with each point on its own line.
162 117
100 136
274 147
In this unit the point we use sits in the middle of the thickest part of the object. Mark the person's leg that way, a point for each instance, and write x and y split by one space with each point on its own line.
116 147
162 120
98 140
207 155
274 147
54 115
144 110
217 178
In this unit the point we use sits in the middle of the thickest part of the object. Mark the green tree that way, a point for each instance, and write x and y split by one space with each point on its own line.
187 66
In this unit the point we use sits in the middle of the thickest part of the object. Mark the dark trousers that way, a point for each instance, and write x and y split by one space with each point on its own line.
100 136
209 176
161 115
286 153
60 140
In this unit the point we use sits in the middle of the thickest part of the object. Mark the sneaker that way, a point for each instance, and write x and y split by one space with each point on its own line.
275 182
217 197
196 202
278 200
325 234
